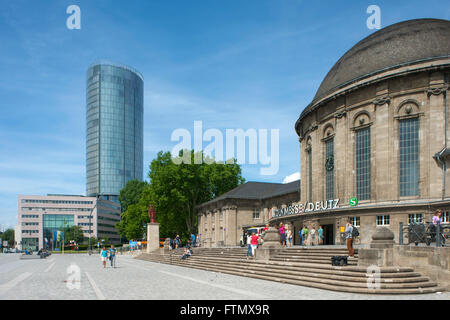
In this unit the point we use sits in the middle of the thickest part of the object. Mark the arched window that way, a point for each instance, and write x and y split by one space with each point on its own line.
329 167
409 156
363 164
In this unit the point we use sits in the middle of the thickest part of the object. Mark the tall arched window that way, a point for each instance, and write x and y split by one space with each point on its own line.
329 167
310 173
363 164
409 157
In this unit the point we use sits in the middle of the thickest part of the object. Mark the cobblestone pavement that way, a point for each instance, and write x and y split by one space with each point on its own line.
136 279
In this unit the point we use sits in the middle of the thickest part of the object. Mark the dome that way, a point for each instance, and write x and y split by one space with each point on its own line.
396 45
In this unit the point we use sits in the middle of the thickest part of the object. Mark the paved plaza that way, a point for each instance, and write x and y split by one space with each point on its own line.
82 277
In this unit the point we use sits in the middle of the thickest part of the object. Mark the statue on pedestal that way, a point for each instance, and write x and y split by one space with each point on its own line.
151 214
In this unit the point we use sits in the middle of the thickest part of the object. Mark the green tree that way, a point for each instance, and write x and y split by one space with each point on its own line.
131 193
133 217
8 235
73 233
175 190
133 222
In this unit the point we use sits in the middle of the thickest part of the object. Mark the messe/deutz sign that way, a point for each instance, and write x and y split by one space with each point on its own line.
305 208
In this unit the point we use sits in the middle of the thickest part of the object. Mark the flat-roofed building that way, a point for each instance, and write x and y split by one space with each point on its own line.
40 217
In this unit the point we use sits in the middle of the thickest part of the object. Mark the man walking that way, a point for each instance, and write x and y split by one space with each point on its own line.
193 239
349 237
300 233
320 234
305 235
112 256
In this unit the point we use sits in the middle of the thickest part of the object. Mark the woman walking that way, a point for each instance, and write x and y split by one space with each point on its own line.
104 256
254 243
283 235
313 235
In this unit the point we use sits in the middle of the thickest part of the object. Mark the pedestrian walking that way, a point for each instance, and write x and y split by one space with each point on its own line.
177 241
104 256
254 243
313 235
193 239
300 233
112 256
305 235
437 217
249 246
320 234
349 237
282 234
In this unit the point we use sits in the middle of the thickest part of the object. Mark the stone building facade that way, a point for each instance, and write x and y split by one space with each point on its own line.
222 221
377 133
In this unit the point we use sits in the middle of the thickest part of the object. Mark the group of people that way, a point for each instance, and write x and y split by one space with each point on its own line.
109 254
252 243
306 236
175 243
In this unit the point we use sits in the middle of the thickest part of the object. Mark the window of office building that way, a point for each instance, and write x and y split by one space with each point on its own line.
363 164
409 157
329 166
415 218
383 220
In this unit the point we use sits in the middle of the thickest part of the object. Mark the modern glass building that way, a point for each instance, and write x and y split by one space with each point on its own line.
41 217
114 137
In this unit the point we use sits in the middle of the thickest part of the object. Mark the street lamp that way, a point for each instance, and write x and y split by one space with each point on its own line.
90 217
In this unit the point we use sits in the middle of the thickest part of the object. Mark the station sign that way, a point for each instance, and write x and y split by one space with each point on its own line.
308 207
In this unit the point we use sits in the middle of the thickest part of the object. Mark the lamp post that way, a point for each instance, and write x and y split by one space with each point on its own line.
90 217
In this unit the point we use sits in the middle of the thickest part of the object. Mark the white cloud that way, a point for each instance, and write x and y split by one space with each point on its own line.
291 178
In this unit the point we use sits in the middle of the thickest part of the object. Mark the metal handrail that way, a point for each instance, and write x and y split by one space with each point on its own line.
440 230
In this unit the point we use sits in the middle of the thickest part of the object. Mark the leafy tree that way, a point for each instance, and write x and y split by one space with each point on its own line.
131 193
8 235
73 233
133 217
133 222
175 190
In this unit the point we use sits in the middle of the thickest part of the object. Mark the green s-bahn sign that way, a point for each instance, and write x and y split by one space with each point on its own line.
353 202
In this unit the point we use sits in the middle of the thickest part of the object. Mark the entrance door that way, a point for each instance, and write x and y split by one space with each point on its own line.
328 234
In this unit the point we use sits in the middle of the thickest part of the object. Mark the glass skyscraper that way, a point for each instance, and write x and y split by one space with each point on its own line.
114 137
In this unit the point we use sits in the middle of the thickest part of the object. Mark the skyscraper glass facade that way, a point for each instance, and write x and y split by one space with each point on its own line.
114 137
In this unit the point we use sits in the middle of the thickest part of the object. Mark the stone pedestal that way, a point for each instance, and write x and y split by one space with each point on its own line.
152 237
381 252
271 245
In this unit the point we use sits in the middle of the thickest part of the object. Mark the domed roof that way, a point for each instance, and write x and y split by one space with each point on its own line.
395 45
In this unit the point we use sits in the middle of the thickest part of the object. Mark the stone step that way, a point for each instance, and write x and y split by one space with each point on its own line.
296 273
309 281
311 268
297 264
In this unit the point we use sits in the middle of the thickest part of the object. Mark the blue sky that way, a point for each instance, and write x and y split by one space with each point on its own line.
230 63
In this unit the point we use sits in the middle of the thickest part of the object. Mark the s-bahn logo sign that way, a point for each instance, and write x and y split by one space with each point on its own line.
308 207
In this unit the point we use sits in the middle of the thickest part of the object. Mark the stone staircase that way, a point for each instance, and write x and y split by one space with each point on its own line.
309 267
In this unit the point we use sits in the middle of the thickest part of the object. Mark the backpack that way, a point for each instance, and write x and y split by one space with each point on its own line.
355 232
